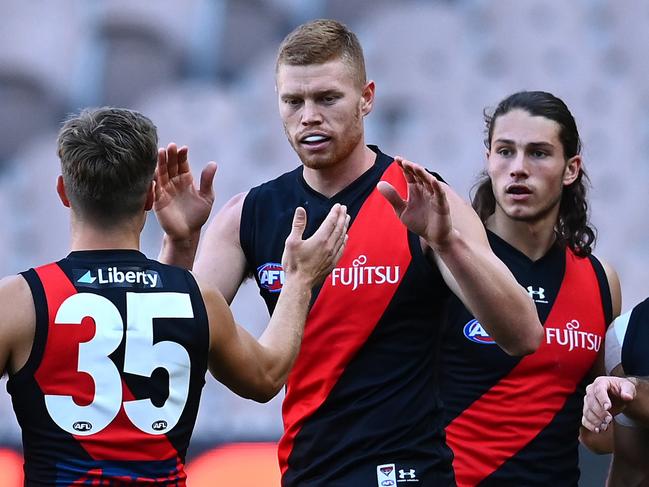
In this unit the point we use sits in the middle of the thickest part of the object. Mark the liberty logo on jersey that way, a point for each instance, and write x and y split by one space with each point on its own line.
473 331
271 276
359 274
571 337
118 277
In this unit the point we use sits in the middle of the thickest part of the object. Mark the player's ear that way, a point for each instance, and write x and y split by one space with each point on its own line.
573 167
60 189
150 196
367 99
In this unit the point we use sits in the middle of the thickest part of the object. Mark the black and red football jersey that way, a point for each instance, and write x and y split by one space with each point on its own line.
515 420
110 392
361 406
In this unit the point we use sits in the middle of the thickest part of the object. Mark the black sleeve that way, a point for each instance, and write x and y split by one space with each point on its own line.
635 349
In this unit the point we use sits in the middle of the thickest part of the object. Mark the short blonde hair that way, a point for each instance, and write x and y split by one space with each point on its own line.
320 41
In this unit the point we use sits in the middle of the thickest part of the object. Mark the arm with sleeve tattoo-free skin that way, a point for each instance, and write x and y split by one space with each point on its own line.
452 231
629 467
257 369
17 323
221 262
602 443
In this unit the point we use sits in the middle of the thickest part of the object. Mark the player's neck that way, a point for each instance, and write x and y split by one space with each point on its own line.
330 180
532 238
86 236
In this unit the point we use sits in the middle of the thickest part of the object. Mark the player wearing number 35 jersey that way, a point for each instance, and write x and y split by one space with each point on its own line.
107 350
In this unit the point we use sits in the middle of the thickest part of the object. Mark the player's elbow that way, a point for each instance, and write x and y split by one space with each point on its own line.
526 343
266 387
533 340
256 385
261 396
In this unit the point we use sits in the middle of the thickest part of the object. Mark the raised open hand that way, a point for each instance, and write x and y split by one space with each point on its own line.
426 210
314 258
180 208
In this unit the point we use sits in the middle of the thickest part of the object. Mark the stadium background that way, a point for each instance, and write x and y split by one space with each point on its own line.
203 71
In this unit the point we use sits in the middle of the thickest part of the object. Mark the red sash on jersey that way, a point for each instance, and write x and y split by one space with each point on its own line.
342 318
513 412
58 374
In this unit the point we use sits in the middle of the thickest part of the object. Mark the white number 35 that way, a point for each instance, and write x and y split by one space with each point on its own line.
141 357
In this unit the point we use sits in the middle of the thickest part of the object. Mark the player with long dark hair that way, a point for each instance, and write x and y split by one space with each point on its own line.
513 420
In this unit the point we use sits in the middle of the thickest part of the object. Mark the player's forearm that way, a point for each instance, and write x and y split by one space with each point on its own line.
492 294
180 253
283 335
626 474
622 477
599 443
638 408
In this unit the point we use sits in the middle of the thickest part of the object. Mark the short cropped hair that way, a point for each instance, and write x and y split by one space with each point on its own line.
320 41
108 158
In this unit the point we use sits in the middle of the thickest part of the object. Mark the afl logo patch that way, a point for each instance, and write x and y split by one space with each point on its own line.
82 426
271 277
473 331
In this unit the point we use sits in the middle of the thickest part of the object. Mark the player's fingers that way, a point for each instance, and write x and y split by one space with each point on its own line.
337 235
342 234
328 227
392 195
596 417
597 404
600 393
596 398
162 175
592 401
440 196
339 238
299 223
183 160
340 250
172 160
590 425
406 167
627 390
207 179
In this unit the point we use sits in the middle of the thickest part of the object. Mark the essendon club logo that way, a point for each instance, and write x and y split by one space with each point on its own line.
386 475
271 276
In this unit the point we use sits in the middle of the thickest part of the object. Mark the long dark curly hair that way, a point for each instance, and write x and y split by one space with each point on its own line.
573 227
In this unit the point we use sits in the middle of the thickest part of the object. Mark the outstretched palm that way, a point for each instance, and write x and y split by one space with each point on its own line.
180 208
425 211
